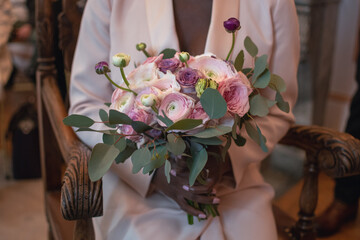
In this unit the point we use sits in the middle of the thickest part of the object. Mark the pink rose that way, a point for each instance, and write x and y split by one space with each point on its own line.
177 106
236 93
136 115
212 67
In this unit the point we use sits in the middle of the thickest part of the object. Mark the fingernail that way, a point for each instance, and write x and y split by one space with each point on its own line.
213 191
216 200
173 172
186 188
202 215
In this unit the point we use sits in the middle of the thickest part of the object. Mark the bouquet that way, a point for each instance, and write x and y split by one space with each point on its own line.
176 106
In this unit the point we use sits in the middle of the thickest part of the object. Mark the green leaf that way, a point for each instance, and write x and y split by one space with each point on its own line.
213 103
263 80
102 157
140 158
260 66
200 157
175 144
250 47
76 120
185 124
167 121
158 157
167 170
240 141
109 131
258 106
277 83
140 127
246 71
213 132
156 143
282 105
256 135
108 104
120 143
207 141
116 117
105 118
127 152
239 61
168 53
234 127
108 139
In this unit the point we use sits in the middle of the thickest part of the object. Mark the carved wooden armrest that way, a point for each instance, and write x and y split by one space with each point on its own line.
80 198
335 153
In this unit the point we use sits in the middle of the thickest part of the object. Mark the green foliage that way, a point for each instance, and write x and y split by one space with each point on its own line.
130 147
263 80
260 66
140 158
239 61
277 83
282 105
79 121
175 144
199 156
168 53
256 135
207 141
213 132
102 157
250 47
158 157
259 106
110 132
140 127
167 121
120 143
108 139
105 118
213 103
167 170
185 124
116 117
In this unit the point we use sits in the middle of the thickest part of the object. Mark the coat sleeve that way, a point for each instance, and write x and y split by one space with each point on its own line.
89 91
283 62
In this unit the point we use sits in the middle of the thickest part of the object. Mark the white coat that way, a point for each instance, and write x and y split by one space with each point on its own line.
112 26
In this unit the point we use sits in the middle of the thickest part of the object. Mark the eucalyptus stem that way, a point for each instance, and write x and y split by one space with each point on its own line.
232 46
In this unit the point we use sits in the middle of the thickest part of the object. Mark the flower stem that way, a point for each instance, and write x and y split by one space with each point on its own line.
113 83
124 77
232 46
186 64
146 53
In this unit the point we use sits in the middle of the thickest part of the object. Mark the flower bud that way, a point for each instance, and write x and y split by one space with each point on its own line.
148 100
141 46
232 25
102 68
120 60
184 56
203 84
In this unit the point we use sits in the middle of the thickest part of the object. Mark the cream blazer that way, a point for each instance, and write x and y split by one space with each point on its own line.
112 26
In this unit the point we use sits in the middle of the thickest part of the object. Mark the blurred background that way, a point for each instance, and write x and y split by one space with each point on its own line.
329 48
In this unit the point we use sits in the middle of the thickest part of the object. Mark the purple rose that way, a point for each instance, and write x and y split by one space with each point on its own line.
170 64
232 24
188 77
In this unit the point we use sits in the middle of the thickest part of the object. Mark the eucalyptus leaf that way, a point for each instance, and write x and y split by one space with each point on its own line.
158 157
199 156
175 144
108 104
105 118
167 170
260 66
250 47
258 106
140 158
102 156
108 139
263 80
256 135
262 140
120 143
168 53
156 143
234 127
213 132
167 121
213 103
116 117
108 131
185 124
240 141
277 83
246 71
140 127
207 141
239 61
76 120
282 105
127 152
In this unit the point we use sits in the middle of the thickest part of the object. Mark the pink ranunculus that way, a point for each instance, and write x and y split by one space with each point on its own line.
177 106
212 67
122 101
140 77
155 59
199 113
136 115
166 83
236 93
146 98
